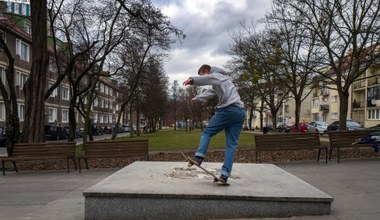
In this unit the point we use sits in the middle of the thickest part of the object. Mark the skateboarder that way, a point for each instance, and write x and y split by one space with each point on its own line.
229 116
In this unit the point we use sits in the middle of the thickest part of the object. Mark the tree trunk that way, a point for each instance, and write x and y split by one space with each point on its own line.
343 110
72 119
297 114
35 86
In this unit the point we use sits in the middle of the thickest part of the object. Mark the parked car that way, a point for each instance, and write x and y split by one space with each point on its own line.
283 127
268 128
78 132
317 126
125 128
96 130
302 127
3 137
55 132
107 130
350 125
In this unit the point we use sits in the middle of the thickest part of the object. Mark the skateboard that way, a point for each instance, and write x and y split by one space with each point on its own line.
216 179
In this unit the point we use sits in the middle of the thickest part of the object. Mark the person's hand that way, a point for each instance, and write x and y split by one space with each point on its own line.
189 81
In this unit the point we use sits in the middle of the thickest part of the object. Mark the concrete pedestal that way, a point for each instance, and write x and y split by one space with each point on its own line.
171 190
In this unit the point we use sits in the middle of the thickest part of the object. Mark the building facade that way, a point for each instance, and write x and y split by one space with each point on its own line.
16 35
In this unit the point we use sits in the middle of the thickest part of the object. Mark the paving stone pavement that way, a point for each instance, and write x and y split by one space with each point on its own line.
354 184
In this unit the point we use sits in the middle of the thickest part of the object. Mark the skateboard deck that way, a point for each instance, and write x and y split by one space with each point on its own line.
216 179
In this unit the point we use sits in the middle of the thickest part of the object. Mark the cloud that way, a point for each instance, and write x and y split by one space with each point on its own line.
208 26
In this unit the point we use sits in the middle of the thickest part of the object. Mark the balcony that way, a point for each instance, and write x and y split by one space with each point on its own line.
358 104
373 81
359 84
324 108
324 92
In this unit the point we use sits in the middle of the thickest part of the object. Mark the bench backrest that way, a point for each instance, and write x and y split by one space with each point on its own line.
117 148
59 149
286 141
346 138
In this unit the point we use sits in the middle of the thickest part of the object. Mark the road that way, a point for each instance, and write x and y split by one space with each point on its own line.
96 137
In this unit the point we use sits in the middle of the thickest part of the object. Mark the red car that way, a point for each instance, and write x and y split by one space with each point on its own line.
302 126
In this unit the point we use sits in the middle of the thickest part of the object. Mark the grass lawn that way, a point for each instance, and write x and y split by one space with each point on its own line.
168 139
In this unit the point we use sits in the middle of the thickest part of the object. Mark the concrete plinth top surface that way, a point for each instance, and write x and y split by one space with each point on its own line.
175 179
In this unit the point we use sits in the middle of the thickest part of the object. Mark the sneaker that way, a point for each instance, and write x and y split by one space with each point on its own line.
222 181
197 160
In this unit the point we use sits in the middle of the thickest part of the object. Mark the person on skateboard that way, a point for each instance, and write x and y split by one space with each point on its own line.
229 116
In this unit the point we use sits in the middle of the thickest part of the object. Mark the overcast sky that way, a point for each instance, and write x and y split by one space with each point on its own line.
208 25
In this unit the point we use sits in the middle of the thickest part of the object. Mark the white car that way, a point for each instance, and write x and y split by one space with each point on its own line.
317 126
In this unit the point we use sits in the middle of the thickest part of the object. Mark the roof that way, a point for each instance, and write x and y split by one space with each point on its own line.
9 26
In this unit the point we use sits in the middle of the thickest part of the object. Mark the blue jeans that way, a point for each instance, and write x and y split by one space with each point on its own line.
230 119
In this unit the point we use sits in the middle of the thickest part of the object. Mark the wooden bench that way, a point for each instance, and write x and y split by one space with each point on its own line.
114 149
345 139
288 142
41 151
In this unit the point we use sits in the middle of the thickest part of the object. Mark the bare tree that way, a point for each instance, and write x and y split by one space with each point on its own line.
259 60
347 37
153 94
8 92
150 38
86 47
175 91
298 52
34 89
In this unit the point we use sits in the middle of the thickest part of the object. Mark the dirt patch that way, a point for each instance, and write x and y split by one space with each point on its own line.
242 156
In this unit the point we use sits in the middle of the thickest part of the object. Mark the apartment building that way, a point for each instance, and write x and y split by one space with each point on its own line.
323 104
364 101
16 35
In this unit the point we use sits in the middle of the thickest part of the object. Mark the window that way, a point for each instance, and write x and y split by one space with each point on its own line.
334 115
54 93
287 108
106 90
334 98
101 103
52 114
21 111
96 102
2 74
315 116
373 114
65 93
2 111
324 117
65 115
101 118
22 49
21 79
315 103
95 117
110 118
373 94
102 87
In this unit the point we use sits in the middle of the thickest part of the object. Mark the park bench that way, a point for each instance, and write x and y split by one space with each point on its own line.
41 151
114 149
346 139
288 142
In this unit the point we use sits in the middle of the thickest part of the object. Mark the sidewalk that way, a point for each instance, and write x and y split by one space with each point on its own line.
354 184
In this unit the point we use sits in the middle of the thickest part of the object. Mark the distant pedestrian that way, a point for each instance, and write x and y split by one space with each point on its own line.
229 116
